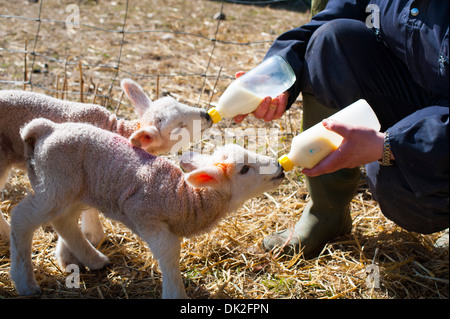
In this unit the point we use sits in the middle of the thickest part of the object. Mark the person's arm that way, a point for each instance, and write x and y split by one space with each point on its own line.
419 145
292 44
360 146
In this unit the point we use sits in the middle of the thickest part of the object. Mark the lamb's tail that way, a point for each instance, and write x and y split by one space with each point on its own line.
36 129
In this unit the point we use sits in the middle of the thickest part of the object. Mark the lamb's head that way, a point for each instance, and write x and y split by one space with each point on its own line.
164 121
234 170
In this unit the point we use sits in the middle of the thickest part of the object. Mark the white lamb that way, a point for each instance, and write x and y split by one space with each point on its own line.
71 165
157 120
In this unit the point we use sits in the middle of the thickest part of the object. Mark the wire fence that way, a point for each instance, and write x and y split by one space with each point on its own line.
31 56
92 75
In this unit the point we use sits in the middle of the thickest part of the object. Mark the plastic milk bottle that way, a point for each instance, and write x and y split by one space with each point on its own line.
313 145
270 78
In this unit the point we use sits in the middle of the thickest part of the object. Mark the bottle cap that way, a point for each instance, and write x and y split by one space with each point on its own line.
215 116
286 163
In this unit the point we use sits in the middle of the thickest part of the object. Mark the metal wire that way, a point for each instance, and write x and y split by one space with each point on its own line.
114 67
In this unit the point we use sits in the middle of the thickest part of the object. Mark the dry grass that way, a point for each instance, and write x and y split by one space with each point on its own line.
227 262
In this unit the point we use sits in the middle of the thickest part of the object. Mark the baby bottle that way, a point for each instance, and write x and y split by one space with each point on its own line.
270 78
313 145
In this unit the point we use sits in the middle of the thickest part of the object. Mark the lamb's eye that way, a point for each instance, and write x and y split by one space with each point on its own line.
244 169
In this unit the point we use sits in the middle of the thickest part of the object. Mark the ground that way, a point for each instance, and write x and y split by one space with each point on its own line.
182 42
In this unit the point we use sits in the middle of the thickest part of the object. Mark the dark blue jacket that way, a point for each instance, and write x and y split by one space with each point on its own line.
420 140
420 41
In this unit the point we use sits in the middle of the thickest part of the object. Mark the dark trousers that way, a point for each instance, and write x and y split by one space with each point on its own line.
344 62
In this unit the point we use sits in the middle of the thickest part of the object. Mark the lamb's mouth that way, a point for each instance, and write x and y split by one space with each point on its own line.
281 175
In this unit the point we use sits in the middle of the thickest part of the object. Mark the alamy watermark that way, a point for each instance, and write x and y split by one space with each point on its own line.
373 19
73 19
258 141
73 279
262 141
373 276
373 273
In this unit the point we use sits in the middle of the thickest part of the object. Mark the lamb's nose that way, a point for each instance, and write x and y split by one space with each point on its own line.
206 116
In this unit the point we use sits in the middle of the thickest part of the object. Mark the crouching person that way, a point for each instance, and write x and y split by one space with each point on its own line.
355 50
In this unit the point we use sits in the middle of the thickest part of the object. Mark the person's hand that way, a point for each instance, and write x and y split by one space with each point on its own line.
269 109
361 145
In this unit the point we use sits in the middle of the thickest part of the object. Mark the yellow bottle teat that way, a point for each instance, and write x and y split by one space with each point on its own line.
286 163
215 116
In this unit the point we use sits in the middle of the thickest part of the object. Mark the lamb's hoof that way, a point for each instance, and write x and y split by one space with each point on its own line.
65 257
30 290
181 294
67 260
94 238
35 292
101 262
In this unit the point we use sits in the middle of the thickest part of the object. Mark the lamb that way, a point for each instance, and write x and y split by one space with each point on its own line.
71 165
151 131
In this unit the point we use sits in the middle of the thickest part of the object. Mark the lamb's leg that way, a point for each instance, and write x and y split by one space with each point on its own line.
92 230
4 226
166 247
64 255
91 226
26 217
72 237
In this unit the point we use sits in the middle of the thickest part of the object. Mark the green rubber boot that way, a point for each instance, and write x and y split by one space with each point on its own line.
327 214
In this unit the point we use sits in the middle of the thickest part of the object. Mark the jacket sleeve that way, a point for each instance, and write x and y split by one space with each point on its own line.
292 44
420 146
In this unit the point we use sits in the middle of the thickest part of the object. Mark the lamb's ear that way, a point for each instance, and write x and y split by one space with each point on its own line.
211 176
137 96
146 137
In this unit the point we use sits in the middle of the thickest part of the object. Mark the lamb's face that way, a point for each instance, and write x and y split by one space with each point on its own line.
233 169
172 125
165 124
250 174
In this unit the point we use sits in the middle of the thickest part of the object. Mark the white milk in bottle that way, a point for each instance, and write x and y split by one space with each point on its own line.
270 78
237 99
313 145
